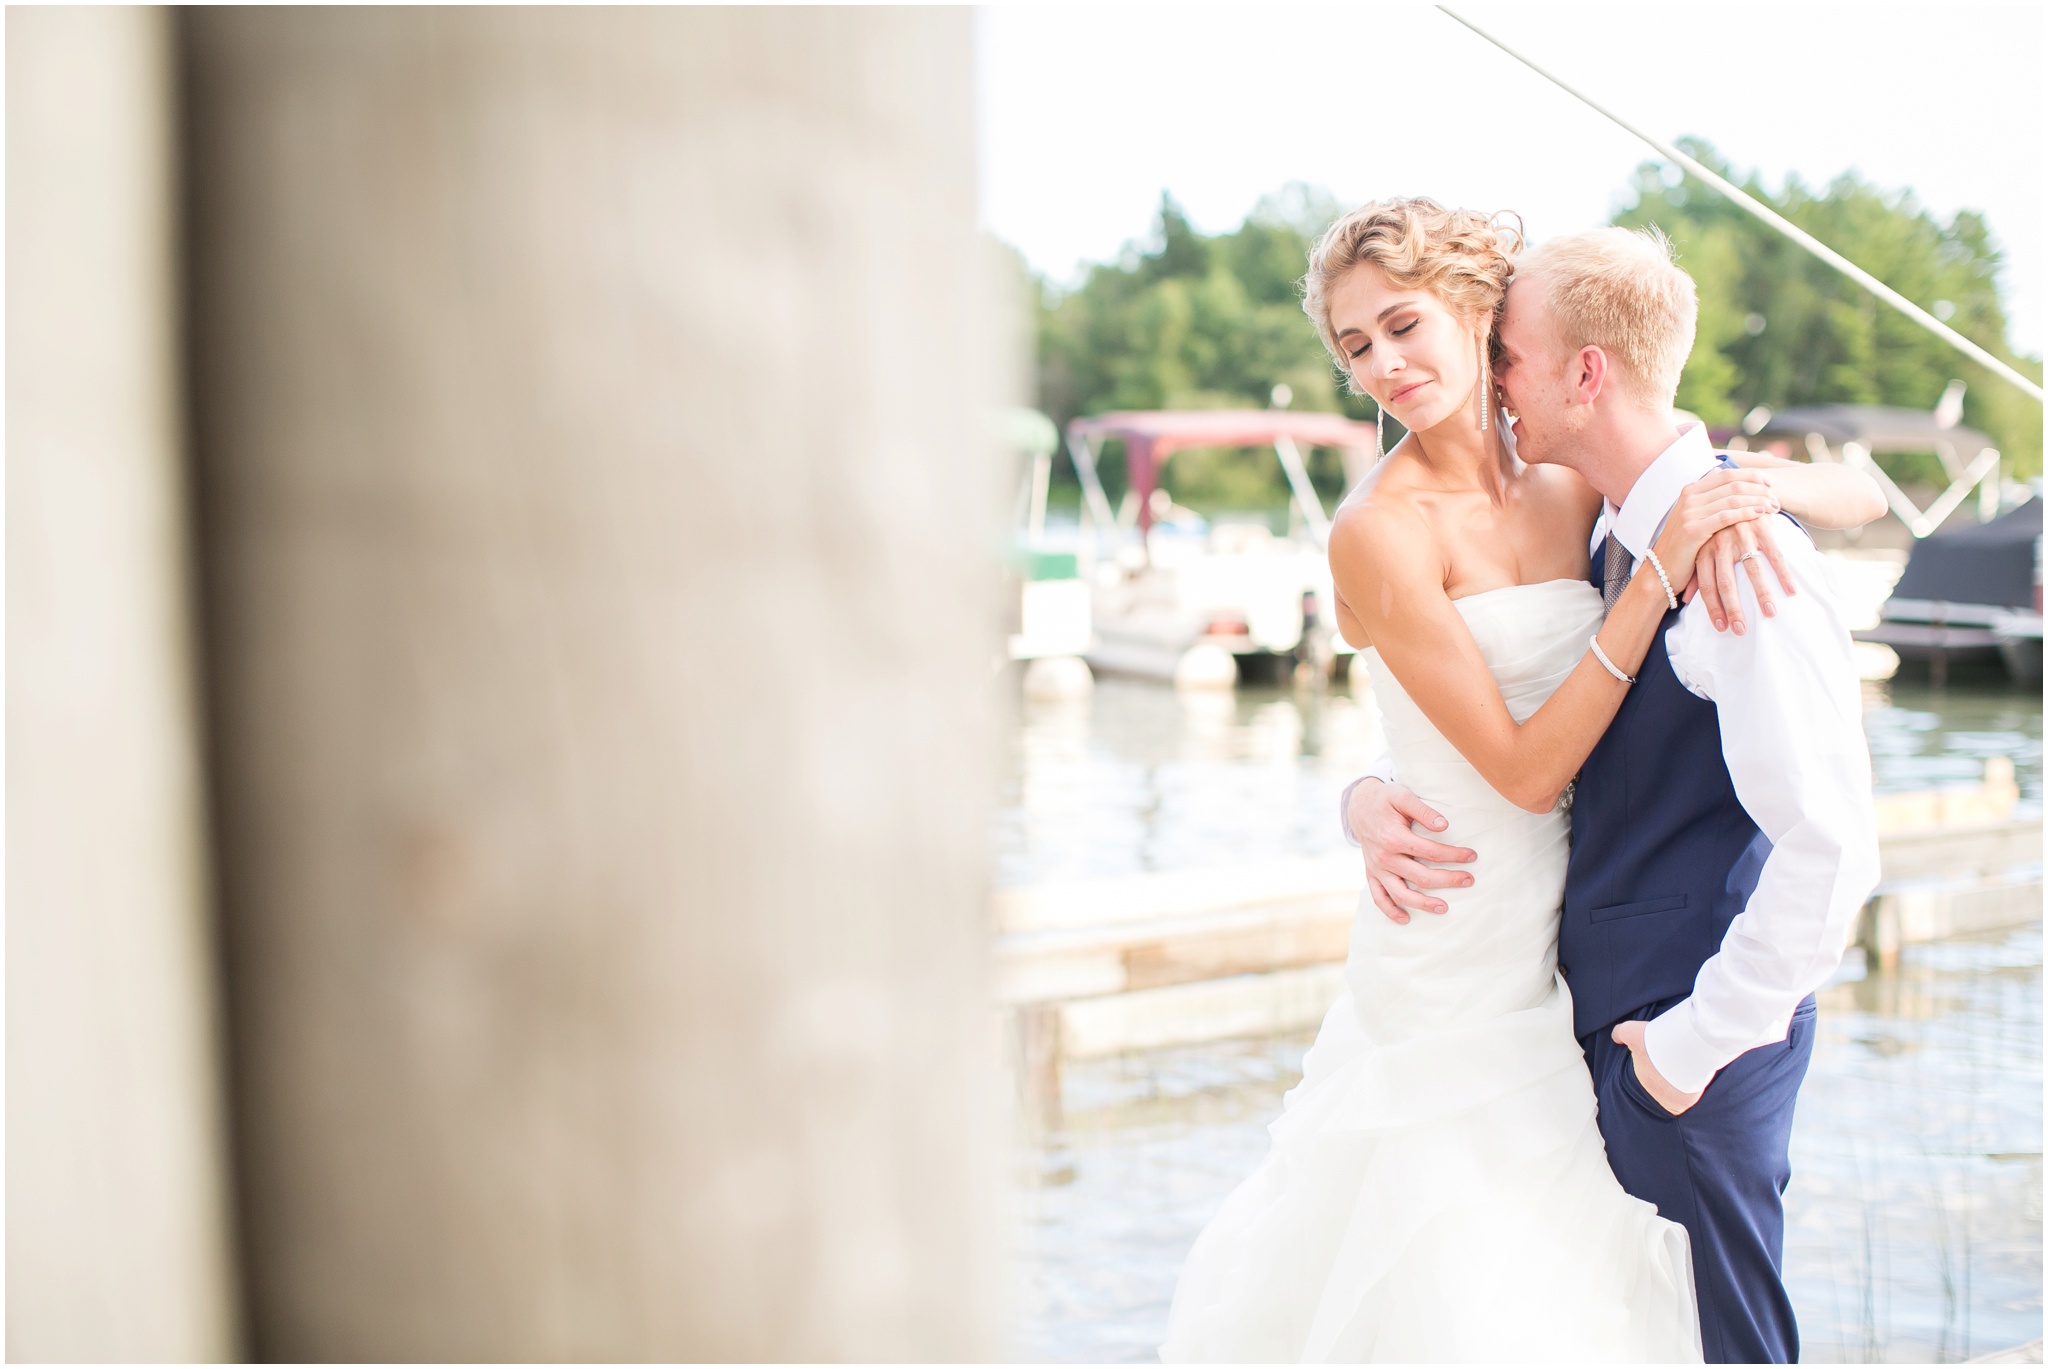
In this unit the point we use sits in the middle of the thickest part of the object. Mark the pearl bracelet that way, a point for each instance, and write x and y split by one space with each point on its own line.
1670 596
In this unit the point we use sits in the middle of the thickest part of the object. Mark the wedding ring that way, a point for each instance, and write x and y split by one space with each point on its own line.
1747 554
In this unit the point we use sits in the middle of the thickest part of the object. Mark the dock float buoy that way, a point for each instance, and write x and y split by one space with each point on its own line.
1205 666
1049 679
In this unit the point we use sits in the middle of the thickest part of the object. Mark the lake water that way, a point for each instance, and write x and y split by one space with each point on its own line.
1139 779
1914 1217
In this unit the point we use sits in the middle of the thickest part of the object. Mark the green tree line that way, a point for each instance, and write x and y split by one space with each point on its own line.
1778 327
1195 321
1192 320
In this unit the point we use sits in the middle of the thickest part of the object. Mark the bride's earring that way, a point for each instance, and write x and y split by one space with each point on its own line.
1379 432
1485 384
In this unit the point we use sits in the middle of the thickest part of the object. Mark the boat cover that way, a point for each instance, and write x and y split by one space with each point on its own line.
1150 436
1877 427
1979 563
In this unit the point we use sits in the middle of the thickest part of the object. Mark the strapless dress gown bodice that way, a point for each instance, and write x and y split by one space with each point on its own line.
1437 1188
1496 949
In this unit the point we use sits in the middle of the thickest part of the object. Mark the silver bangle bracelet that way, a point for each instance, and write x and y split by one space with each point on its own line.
1612 669
1670 595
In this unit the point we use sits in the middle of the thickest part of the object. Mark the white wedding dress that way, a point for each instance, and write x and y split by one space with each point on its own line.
1437 1187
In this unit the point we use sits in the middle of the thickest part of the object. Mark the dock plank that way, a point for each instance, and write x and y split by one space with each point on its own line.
1210 954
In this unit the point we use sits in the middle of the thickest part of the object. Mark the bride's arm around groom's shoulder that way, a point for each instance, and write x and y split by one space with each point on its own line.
1791 718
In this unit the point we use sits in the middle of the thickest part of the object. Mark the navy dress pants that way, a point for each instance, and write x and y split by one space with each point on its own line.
1719 1169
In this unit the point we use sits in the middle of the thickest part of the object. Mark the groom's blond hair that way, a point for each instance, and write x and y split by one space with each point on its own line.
1621 291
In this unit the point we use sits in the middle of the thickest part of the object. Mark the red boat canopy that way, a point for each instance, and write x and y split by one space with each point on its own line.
1152 436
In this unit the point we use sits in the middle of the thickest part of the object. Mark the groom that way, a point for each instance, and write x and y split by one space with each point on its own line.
1722 830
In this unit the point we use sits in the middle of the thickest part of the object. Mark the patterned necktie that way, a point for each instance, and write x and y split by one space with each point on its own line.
1620 566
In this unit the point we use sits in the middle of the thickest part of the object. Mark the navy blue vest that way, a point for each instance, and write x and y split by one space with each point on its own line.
1663 854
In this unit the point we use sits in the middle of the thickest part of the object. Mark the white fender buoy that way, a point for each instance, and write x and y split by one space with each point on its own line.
1205 666
1874 660
1051 678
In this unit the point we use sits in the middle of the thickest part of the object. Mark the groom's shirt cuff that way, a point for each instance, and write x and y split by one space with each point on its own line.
1382 768
1791 720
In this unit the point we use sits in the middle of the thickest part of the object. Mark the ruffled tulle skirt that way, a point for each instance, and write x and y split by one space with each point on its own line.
1444 1197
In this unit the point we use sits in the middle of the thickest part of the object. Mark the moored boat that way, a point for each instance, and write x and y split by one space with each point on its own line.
1179 600
1971 593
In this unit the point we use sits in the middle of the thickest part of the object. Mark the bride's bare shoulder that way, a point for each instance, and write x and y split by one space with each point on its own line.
1379 519
1380 496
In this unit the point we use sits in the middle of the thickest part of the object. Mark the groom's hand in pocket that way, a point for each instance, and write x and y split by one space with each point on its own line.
1631 1034
1383 818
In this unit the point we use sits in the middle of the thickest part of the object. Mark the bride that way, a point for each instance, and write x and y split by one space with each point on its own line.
1437 1187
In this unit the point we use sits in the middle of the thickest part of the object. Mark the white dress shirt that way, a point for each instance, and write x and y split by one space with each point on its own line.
1791 717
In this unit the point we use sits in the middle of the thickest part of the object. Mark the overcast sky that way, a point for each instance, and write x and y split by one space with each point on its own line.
1088 113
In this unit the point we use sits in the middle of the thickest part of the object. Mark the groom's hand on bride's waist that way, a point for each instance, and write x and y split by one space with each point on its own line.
1673 1101
1383 818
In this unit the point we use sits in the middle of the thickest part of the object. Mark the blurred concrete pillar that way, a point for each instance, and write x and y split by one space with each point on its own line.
599 533
116 1216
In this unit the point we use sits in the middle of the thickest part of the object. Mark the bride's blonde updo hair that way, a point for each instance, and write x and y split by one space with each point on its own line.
1461 256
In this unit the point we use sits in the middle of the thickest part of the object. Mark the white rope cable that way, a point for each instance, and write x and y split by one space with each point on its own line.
1775 220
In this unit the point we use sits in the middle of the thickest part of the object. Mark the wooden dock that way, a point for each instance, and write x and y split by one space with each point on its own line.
1104 966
